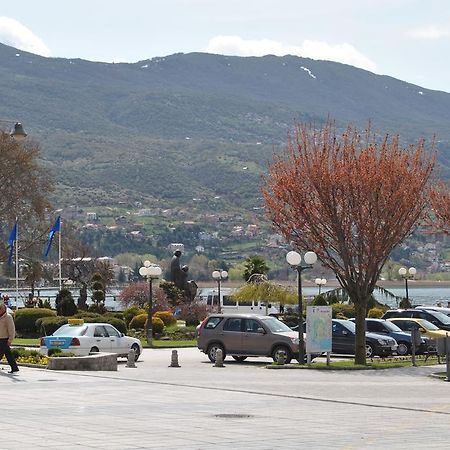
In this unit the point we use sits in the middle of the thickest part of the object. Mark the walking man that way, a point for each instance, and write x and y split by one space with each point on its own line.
7 334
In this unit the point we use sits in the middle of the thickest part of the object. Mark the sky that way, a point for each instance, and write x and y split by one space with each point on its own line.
406 39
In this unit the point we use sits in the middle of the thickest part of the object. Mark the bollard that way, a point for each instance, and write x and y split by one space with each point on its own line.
447 355
219 358
131 359
174 359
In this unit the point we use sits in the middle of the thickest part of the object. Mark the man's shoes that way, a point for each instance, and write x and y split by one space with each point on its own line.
13 371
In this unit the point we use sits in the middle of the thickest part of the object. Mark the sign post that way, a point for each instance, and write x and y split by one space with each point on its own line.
318 331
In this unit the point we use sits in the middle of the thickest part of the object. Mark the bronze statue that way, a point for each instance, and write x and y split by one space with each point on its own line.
179 276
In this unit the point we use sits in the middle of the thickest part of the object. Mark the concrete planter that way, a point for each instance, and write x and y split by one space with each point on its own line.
95 361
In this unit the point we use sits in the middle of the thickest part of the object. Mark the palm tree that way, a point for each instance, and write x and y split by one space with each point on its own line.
255 265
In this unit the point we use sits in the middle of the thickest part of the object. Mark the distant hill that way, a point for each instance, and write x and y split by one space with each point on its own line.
185 126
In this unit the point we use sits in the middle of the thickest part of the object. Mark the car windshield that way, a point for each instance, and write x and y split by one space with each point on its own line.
392 327
441 317
275 325
349 325
71 330
427 325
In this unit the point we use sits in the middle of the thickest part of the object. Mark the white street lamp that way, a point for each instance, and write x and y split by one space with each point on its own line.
151 272
219 276
407 274
320 282
294 259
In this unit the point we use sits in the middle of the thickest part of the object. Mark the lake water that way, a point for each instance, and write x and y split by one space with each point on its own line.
418 295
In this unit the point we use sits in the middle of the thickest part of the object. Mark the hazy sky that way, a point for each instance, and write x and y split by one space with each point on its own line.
407 39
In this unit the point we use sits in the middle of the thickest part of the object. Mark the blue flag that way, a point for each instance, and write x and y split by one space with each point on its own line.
12 238
55 228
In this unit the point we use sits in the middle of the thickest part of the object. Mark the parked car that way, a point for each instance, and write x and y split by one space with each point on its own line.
85 338
244 335
426 328
343 340
437 318
440 309
387 328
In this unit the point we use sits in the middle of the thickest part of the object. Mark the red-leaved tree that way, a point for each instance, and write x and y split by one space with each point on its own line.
351 198
136 294
440 208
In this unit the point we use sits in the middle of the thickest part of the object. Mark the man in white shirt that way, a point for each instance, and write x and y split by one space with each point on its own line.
7 334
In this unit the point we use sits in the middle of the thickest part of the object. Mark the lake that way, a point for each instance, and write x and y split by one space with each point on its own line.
431 295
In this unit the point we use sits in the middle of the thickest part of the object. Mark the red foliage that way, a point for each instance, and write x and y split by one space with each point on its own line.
137 294
350 198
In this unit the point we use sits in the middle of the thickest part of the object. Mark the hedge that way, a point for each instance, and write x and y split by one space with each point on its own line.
139 322
48 325
25 318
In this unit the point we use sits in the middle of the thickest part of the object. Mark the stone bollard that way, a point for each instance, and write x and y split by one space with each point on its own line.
131 359
219 358
281 358
174 359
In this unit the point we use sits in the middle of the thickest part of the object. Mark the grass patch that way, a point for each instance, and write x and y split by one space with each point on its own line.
31 342
375 364
172 343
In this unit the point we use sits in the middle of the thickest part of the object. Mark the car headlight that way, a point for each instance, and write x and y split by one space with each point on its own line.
294 341
382 341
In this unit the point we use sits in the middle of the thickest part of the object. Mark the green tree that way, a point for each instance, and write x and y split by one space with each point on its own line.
255 265
65 305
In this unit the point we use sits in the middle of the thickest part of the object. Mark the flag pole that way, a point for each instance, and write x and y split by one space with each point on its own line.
17 262
59 254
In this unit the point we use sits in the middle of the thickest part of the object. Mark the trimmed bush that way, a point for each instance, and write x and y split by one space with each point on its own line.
343 310
131 312
53 351
138 322
65 305
375 313
320 300
167 317
86 314
119 324
158 325
25 318
99 309
48 325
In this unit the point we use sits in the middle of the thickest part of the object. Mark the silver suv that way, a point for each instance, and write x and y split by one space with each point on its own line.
243 335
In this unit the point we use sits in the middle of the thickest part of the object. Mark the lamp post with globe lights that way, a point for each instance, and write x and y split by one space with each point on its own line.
219 276
151 272
320 282
294 259
407 275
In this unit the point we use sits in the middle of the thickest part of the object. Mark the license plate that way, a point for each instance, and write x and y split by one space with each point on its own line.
55 342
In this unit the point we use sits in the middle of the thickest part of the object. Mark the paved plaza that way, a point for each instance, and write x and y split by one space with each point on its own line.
240 406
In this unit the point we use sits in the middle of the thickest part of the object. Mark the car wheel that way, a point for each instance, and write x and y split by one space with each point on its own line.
239 358
137 351
370 351
402 349
212 350
281 349
94 350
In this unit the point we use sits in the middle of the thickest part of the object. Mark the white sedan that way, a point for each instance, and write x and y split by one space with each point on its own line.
85 338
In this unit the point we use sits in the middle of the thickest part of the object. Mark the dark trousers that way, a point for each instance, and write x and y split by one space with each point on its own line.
5 350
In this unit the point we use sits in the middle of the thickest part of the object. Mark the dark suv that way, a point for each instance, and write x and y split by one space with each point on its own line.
436 318
344 340
243 335
404 341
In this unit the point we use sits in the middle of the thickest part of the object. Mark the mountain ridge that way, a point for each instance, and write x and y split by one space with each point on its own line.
181 122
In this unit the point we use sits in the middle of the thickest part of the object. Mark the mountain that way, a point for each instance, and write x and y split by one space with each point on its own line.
194 126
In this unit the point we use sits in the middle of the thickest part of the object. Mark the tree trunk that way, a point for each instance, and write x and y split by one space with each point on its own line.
360 338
